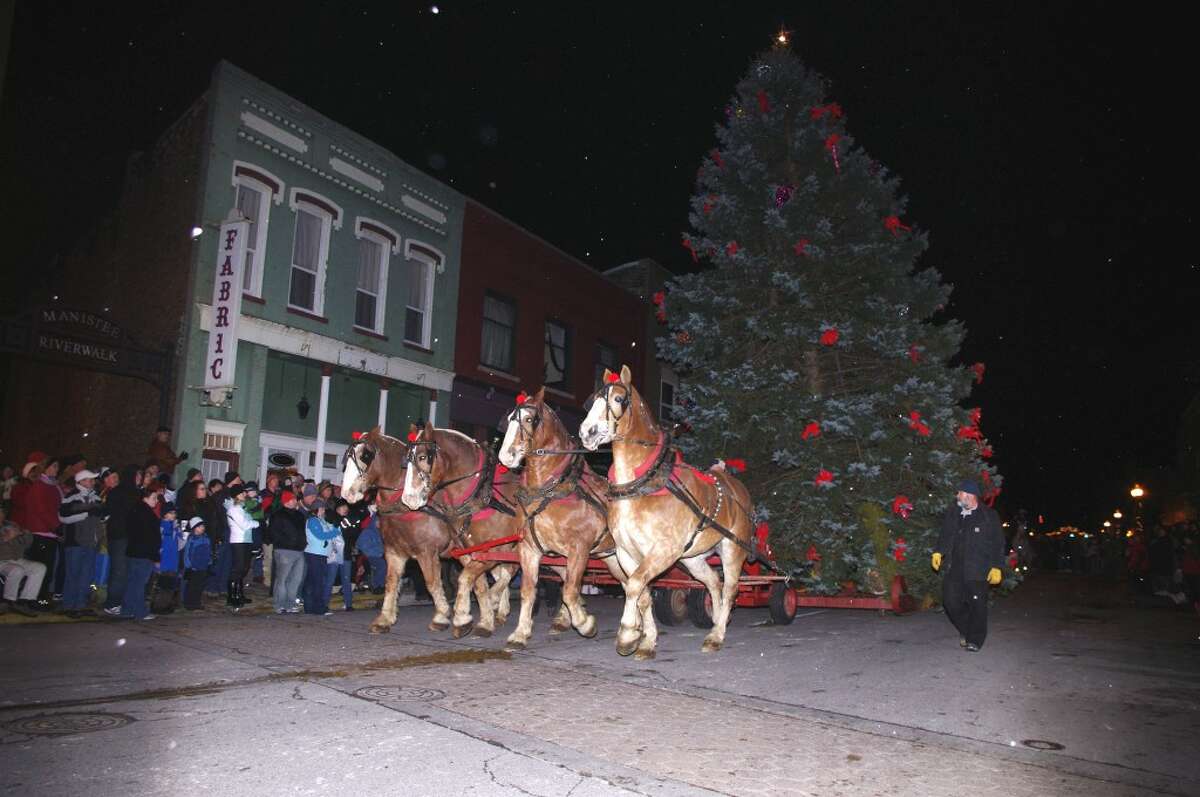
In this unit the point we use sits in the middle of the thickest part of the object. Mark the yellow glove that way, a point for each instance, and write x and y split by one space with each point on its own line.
994 576
936 561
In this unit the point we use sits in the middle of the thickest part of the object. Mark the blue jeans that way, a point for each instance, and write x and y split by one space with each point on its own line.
316 583
118 573
219 577
346 568
133 604
378 571
81 563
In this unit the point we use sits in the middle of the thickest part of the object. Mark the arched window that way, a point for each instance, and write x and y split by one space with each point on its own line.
316 216
422 262
254 190
376 243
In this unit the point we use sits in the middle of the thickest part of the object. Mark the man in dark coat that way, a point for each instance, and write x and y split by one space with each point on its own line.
971 546
118 505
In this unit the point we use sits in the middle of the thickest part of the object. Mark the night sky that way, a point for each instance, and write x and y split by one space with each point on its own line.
1045 150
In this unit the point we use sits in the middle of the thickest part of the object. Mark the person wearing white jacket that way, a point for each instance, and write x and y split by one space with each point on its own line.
241 540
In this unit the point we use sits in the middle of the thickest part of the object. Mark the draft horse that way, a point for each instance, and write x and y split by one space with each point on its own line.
455 478
376 460
566 512
662 511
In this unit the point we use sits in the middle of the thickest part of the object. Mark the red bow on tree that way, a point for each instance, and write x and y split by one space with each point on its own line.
660 315
986 452
969 433
812 554
687 244
735 465
978 368
829 337
831 144
899 549
823 477
801 247
833 109
716 156
902 506
732 248
710 202
976 415
659 297
812 430
917 425
894 226
914 353
522 398
764 104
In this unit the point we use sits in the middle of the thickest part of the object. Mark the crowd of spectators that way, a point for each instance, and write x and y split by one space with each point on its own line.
125 543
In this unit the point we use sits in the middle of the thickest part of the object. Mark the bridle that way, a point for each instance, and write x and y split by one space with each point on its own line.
622 401
526 438
426 451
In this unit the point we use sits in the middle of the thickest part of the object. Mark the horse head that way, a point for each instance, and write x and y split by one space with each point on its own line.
530 425
437 458
615 407
373 458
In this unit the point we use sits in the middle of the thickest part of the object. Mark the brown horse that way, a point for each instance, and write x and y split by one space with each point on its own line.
379 461
566 511
662 510
454 477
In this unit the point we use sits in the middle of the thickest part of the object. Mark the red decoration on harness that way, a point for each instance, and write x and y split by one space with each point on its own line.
764 103
522 398
824 477
902 506
801 247
735 465
830 336
412 437
732 248
914 353
978 368
612 378
812 430
831 145
501 468
659 297
707 478
893 225
356 436
899 549
716 156
812 554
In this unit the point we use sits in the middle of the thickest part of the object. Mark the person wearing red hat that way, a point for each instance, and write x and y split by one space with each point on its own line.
286 533
35 505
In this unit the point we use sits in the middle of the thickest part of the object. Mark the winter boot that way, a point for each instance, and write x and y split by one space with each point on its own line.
241 595
231 600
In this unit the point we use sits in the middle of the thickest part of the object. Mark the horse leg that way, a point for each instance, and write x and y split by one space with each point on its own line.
531 559
488 597
498 594
704 573
640 574
584 623
732 559
387 613
649 641
463 621
562 618
431 568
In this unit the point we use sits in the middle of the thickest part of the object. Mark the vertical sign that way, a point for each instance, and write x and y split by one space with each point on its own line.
220 364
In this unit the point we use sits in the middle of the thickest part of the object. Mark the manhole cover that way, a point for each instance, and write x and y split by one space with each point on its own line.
1042 744
408 694
67 723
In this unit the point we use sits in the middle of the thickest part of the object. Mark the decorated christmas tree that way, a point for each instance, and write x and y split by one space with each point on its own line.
810 344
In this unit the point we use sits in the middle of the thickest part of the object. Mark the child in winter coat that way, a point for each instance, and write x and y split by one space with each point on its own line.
197 557
166 584
241 540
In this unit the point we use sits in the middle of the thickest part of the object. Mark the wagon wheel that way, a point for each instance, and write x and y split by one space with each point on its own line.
699 608
781 603
670 605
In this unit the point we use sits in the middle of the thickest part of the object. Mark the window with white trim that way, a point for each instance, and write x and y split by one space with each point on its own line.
376 243
315 217
422 263
668 384
557 355
254 190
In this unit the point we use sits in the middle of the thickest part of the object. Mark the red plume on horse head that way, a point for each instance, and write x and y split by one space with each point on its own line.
413 433
522 397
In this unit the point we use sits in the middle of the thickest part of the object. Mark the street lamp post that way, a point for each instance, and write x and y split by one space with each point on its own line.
1138 493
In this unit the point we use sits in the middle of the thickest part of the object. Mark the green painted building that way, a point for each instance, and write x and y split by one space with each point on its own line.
349 283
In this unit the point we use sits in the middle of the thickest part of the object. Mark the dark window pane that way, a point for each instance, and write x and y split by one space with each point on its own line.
557 355
364 310
414 326
304 284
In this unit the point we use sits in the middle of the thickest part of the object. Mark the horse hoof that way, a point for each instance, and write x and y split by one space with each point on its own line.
625 648
461 631
436 626
481 631
558 628
514 644
380 628
644 655
589 627
711 646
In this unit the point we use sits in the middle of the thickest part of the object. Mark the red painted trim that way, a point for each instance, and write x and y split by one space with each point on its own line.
308 315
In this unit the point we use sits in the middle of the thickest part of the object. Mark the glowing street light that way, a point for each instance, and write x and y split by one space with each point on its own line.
1118 514
1137 492
1107 524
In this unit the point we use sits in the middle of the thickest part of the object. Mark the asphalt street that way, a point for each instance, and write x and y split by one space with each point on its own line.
1075 692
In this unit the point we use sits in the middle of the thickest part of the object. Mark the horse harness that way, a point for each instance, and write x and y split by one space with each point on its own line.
483 497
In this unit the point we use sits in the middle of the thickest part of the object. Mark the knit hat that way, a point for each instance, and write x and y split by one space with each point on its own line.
310 489
251 487
169 506
315 505
230 475
194 522
236 490
286 495
85 474
969 486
